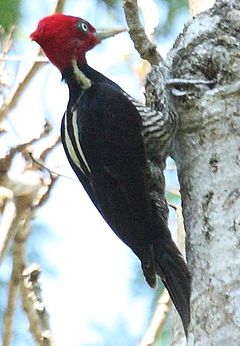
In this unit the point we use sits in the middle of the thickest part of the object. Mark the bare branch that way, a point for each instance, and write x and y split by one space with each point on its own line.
18 265
143 45
30 305
21 58
35 190
180 230
12 297
5 46
20 196
7 42
48 148
31 314
5 162
158 321
59 6
15 218
19 248
51 172
14 96
34 298
7 229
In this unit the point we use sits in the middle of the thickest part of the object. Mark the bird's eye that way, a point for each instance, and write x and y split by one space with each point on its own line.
84 26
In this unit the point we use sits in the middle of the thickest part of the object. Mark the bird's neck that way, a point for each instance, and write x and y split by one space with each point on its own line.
75 86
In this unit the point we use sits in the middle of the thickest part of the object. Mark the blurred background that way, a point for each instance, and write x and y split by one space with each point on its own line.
92 284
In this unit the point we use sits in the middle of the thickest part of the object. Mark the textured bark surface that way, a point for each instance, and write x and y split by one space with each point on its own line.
207 154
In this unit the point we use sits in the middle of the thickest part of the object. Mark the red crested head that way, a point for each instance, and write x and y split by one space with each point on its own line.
64 38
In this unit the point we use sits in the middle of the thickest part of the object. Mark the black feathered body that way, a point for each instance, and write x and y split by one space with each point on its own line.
101 134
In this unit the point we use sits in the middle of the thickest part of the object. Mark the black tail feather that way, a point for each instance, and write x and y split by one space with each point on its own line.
172 269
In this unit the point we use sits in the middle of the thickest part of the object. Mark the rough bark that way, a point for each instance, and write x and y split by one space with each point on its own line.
207 153
206 150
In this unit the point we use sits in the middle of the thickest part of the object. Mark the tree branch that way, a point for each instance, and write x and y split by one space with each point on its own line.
19 246
143 45
59 6
158 320
6 225
32 297
15 94
21 194
12 297
12 99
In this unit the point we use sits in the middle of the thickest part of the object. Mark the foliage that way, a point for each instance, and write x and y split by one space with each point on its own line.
9 13
110 3
174 9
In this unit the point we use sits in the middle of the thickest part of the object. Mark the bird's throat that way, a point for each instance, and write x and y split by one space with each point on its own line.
81 78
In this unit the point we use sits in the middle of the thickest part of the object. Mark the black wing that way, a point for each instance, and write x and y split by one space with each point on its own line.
76 160
110 135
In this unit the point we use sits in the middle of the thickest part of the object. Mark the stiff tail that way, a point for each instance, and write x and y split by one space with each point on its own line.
172 269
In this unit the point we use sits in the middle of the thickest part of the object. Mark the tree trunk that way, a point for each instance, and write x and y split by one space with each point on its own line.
207 153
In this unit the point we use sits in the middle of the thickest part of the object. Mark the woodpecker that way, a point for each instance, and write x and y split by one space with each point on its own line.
101 133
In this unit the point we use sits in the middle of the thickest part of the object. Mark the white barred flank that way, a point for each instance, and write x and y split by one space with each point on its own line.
153 122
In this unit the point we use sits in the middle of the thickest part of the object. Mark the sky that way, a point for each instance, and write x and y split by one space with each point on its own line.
92 288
